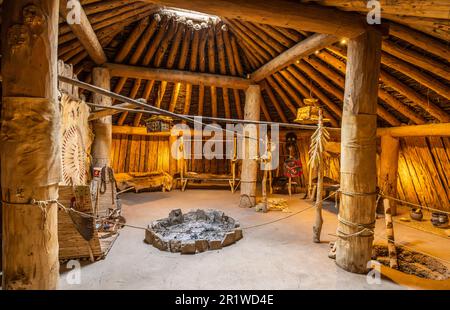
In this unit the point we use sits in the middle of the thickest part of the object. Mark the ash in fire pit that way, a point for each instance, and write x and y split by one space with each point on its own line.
193 232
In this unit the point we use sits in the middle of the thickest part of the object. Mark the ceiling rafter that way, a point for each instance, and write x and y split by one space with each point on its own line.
386 78
85 34
248 38
280 13
104 19
416 38
299 51
248 45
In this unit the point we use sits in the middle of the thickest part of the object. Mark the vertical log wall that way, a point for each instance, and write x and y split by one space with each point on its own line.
135 153
423 168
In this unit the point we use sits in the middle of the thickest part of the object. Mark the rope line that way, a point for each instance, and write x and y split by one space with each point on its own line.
414 204
422 230
290 215
86 215
365 227
357 194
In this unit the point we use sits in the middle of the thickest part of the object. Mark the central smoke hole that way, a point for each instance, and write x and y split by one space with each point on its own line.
193 232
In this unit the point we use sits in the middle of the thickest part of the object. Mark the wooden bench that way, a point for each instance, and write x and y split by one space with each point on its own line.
206 178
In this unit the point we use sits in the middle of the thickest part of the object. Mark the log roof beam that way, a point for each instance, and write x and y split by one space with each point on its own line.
298 51
206 79
418 8
86 34
281 13
417 38
425 130
392 82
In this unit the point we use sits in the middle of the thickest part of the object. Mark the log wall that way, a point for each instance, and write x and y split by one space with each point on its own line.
139 153
424 171
134 153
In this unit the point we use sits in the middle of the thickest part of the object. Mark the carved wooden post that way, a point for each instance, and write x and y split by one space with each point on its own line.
388 169
358 167
250 147
101 148
30 144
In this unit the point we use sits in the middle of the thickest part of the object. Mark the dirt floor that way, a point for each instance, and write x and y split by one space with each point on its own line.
413 263
280 255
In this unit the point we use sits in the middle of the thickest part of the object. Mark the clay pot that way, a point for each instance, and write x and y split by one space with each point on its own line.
439 219
416 214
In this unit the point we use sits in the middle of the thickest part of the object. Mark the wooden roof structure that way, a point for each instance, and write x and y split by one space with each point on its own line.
414 84
194 63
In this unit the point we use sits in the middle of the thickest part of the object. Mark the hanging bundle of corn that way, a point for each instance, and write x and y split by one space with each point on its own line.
318 141
317 150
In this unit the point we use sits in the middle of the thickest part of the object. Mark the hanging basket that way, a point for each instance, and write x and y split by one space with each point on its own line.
159 123
309 114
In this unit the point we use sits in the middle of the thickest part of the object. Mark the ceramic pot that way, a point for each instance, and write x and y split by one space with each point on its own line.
416 214
439 219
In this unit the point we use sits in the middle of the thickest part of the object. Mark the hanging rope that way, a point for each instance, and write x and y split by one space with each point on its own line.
106 172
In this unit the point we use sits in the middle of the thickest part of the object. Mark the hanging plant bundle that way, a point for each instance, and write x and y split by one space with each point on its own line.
317 148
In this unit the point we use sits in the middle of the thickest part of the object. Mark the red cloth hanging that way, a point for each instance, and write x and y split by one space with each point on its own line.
293 168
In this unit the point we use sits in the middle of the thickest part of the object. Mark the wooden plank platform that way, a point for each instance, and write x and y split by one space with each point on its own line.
71 244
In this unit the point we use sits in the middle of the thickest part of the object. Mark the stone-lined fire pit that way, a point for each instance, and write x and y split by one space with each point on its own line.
193 232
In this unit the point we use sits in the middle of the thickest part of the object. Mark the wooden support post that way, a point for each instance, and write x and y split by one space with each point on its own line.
250 148
388 169
318 223
84 32
173 162
102 128
358 157
30 151
393 262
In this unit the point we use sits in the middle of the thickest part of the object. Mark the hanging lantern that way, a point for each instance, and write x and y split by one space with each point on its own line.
158 123
309 114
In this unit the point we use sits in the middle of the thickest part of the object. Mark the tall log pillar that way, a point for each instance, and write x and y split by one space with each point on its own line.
173 162
249 171
102 128
358 157
30 144
388 169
